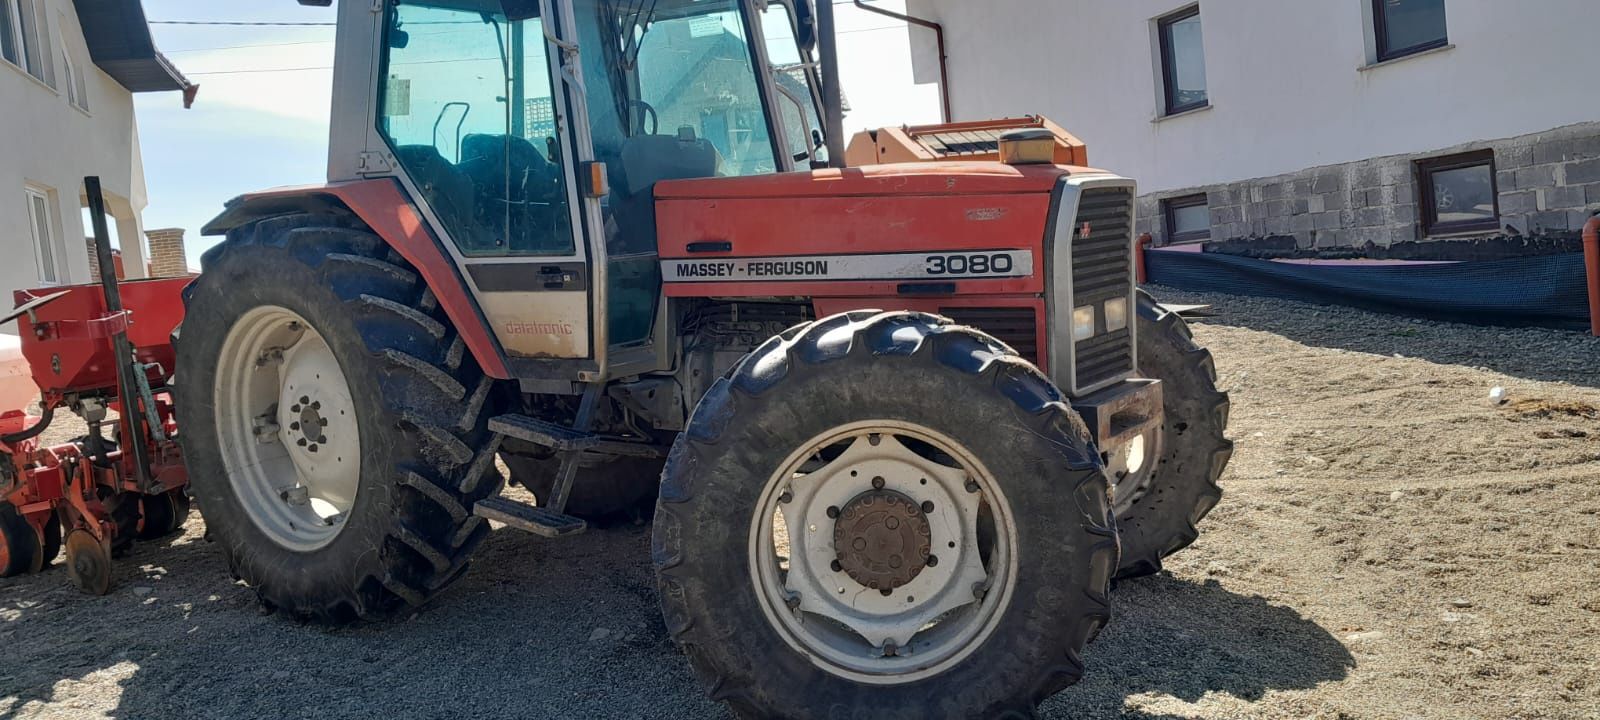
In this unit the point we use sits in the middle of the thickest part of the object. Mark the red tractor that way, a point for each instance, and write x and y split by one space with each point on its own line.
895 421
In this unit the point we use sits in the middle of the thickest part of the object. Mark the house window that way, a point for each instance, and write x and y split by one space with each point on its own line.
1407 27
77 86
23 39
1183 60
1459 193
1188 219
41 223
76 92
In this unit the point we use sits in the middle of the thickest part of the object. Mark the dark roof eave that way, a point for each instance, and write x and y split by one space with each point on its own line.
120 44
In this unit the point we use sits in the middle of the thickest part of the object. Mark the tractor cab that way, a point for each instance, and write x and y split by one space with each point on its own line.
532 135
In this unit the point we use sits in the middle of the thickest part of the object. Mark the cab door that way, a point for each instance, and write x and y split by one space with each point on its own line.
472 109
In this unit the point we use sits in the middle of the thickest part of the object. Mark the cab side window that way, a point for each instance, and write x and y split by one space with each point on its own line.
468 109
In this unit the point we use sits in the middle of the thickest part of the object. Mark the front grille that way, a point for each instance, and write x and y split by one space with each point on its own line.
1102 270
1014 326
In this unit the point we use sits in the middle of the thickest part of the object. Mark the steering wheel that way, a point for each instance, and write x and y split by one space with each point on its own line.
643 110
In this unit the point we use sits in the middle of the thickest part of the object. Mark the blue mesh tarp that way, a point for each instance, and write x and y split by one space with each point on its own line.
1548 290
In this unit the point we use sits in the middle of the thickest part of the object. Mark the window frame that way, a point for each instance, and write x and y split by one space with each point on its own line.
46 255
1169 104
1429 216
1169 206
13 29
76 84
1380 34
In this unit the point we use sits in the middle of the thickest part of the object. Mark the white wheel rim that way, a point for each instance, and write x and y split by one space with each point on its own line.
287 425
920 628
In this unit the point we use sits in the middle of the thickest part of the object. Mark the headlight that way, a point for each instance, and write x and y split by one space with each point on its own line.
1116 314
1083 322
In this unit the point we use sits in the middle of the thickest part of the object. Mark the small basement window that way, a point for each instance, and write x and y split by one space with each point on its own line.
1459 193
1188 219
1183 61
1407 27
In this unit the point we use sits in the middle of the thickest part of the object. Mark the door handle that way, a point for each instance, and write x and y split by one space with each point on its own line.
709 246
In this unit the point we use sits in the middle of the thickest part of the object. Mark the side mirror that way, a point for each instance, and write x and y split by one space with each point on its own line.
805 15
399 39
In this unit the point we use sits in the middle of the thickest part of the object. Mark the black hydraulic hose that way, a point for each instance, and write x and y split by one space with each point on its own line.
32 432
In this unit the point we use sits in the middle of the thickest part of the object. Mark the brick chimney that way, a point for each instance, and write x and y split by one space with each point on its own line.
167 256
94 262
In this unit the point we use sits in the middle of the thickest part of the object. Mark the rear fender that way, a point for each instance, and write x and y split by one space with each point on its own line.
383 206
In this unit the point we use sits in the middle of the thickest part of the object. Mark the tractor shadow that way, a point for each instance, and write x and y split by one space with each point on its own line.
1171 637
1529 353
537 629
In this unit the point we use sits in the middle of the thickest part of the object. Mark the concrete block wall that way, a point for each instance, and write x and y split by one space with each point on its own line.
168 257
1548 185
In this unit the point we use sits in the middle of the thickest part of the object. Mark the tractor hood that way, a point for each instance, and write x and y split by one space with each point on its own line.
862 232
934 178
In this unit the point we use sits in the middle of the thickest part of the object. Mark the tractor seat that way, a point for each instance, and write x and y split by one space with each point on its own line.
649 159
446 189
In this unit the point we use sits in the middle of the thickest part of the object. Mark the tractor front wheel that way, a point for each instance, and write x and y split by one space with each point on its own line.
334 426
1160 501
884 511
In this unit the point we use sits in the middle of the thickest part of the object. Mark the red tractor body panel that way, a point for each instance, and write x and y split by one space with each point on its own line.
927 211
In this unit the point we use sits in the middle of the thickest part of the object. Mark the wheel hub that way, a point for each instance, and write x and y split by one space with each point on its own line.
292 441
311 428
883 539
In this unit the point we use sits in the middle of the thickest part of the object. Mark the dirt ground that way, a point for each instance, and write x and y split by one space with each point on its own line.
1393 544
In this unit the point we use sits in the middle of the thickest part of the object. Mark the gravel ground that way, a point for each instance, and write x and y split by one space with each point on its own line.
1392 545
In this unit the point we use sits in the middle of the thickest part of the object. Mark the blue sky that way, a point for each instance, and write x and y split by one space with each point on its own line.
262 115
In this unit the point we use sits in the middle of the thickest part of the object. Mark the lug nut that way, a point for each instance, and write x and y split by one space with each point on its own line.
877 483
305 399
786 498
294 426
301 442
972 486
836 566
933 560
833 512
927 506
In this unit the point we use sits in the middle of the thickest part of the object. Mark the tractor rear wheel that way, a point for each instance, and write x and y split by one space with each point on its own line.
334 425
884 510
1160 503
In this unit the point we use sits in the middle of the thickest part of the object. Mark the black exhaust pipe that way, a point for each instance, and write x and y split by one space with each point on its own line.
832 93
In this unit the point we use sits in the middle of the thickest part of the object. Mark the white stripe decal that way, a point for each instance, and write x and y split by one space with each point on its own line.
966 265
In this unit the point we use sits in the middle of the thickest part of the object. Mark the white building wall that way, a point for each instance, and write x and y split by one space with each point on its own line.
47 143
1285 79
